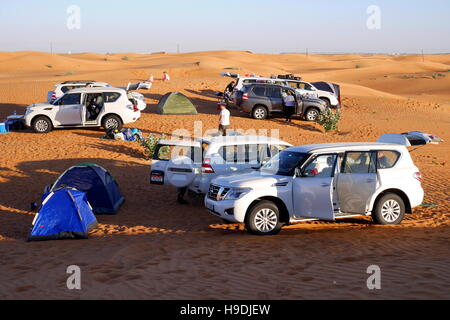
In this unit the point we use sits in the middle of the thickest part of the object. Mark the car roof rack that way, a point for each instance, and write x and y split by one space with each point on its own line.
77 81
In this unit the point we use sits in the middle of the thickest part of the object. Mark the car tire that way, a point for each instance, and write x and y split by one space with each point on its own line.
260 113
112 122
327 101
263 219
312 114
389 210
42 124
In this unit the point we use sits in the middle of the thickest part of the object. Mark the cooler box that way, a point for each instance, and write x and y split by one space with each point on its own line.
3 127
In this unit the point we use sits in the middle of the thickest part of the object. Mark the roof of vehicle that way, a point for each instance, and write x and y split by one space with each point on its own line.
227 140
355 146
96 90
269 84
82 82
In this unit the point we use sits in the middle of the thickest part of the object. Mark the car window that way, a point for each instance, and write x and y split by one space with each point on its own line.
274 92
293 84
276 149
304 86
322 166
64 89
259 91
323 86
359 162
168 152
257 153
68 99
285 163
110 97
387 159
234 154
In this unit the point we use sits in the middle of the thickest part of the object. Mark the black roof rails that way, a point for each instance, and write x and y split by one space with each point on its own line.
78 81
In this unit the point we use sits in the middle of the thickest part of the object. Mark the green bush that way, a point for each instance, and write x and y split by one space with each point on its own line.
49 66
149 143
329 120
126 58
358 66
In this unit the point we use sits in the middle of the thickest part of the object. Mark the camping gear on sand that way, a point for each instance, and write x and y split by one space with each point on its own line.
3 127
102 190
65 214
173 103
124 134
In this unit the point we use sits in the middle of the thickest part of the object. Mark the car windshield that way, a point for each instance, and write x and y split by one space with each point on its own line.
284 163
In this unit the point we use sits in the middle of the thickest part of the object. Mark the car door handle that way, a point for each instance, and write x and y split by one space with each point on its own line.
325 185
370 180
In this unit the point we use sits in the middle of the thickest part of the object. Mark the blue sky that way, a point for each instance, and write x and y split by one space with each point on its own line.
268 26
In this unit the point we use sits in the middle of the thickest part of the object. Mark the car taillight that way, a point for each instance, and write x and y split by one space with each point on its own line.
206 166
135 108
245 96
418 176
53 98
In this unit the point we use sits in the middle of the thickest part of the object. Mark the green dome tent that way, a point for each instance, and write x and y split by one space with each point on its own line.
175 103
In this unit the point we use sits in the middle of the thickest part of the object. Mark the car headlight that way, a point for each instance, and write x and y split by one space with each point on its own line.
235 193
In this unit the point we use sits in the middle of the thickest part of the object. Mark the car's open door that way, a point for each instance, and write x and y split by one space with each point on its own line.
408 139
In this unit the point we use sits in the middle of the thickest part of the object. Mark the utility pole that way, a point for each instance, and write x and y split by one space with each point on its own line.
306 51
423 57
51 47
178 48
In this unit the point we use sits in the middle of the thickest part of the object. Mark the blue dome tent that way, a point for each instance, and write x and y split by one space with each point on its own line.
102 190
64 214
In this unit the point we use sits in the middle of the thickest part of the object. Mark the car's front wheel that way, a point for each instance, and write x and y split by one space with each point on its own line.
312 114
263 219
389 210
42 124
112 122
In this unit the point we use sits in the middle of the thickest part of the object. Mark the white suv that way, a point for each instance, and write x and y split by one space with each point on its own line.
194 164
326 182
80 108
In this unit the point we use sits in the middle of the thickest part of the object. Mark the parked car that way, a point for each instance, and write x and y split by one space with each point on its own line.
262 100
326 182
194 164
62 88
74 109
328 92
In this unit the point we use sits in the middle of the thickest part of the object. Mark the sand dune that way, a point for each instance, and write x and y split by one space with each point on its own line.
155 250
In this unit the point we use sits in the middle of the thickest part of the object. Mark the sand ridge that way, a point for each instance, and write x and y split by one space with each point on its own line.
155 250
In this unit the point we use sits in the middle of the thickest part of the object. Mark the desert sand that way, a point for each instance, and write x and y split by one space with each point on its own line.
155 249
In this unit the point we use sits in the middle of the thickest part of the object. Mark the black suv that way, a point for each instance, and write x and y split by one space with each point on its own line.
261 100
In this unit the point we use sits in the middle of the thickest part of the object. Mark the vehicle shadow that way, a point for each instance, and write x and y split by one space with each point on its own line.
303 126
7 109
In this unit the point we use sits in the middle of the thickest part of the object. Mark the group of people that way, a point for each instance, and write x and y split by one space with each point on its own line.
165 77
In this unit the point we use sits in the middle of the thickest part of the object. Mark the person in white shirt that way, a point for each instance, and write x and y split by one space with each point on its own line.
289 105
224 119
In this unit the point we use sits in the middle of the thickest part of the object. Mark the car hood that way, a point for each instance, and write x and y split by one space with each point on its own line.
40 105
250 180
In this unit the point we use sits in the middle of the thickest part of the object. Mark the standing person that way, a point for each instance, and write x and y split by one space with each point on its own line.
289 105
166 76
151 78
224 119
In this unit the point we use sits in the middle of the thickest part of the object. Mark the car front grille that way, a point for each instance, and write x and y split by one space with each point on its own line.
215 192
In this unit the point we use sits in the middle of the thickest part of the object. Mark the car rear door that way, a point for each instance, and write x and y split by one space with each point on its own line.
167 150
357 181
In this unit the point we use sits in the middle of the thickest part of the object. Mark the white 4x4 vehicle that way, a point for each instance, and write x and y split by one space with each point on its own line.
326 182
61 88
194 164
80 108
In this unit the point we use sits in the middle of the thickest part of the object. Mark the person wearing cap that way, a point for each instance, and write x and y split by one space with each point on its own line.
224 118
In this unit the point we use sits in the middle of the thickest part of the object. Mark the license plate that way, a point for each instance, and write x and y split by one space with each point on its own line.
157 179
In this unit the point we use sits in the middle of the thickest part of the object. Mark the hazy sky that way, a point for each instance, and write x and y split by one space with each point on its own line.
269 26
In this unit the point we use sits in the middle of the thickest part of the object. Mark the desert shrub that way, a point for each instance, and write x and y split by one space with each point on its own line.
49 66
329 120
149 143
70 73
437 75
125 58
358 66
